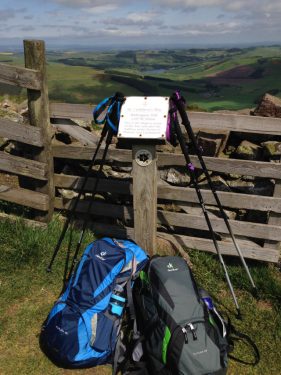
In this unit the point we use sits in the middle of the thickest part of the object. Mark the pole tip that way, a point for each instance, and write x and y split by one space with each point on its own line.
239 315
49 269
255 292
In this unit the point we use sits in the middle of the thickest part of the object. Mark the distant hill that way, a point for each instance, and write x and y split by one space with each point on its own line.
211 79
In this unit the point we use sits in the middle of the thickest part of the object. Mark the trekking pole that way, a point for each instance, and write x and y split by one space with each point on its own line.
76 201
85 221
100 107
179 102
194 180
112 121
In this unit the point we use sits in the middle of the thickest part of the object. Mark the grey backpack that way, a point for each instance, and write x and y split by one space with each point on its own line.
180 331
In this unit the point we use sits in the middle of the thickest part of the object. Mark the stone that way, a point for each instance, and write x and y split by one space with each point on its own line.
272 148
10 147
256 187
269 106
248 151
213 211
211 142
229 150
218 182
67 194
241 186
121 168
175 176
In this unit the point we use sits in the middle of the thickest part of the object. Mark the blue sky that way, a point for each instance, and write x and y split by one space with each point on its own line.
137 23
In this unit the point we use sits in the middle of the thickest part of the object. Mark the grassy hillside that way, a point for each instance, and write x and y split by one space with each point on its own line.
28 293
209 78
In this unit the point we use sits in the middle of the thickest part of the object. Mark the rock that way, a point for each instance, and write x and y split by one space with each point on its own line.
122 175
257 187
10 147
108 171
211 143
121 168
67 194
229 150
272 148
241 186
175 176
9 105
11 115
248 151
218 182
269 106
213 211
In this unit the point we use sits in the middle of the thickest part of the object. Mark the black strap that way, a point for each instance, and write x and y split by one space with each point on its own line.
139 368
239 336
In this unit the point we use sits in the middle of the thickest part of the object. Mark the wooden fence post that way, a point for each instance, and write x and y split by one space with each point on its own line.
38 105
145 196
275 218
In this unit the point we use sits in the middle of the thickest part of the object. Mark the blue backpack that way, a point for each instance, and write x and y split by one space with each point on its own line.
83 328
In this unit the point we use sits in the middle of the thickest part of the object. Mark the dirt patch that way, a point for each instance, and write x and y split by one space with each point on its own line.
234 76
243 71
264 305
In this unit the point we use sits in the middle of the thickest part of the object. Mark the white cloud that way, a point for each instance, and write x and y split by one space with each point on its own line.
138 19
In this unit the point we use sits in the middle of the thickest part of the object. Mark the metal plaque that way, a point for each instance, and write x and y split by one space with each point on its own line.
144 117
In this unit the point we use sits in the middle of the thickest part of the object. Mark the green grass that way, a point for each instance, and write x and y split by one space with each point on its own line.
27 294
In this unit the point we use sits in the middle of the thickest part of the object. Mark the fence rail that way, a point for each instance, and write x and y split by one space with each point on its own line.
22 77
24 133
257 240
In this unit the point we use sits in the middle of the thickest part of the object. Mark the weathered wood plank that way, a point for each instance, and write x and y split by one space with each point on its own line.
86 153
23 167
232 200
250 250
75 111
166 192
77 132
145 197
104 185
25 197
275 218
98 208
38 106
22 133
199 120
241 167
233 122
242 228
23 77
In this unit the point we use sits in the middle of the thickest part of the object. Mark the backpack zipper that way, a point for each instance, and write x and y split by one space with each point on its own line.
185 329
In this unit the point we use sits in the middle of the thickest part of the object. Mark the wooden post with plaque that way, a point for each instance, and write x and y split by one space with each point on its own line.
144 120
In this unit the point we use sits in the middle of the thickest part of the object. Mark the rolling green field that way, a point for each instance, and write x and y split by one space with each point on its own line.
210 79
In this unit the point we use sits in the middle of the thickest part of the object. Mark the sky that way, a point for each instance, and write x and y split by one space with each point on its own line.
136 23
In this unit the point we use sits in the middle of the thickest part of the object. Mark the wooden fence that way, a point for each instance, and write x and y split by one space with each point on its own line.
120 216
36 135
